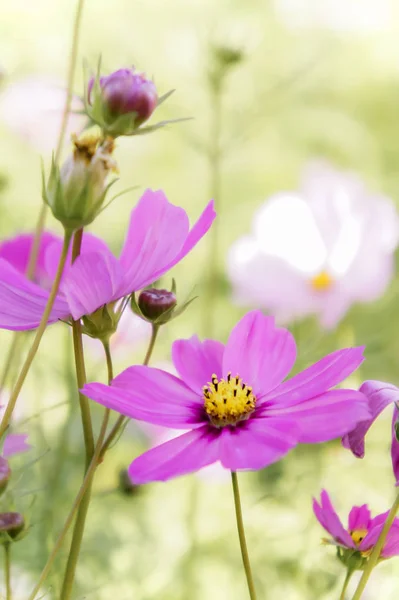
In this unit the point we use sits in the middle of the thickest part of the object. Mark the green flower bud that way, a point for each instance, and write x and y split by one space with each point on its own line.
12 525
76 192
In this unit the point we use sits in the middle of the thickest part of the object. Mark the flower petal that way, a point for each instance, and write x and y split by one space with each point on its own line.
22 302
379 395
325 417
330 521
156 234
359 517
150 395
15 443
257 443
391 546
93 280
197 361
259 352
17 252
316 379
187 453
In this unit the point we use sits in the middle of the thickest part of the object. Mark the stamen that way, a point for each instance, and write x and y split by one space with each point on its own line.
227 402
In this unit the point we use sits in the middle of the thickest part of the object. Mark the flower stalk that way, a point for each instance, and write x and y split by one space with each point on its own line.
241 535
7 570
346 583
375 555
38 337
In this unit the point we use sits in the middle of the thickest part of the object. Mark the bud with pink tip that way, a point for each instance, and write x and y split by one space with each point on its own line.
121 102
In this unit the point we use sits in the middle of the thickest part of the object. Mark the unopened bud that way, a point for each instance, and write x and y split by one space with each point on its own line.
76 192
120 102
5 473
11 525
154 303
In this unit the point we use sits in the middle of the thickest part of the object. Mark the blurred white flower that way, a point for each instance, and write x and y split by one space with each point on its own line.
342 16
32 108
316 251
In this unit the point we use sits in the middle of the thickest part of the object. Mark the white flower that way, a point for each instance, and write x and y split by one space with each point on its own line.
316 251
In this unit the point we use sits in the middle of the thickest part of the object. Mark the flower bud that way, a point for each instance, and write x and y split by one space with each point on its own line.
5 473
120 102
11 525
76 192
154 303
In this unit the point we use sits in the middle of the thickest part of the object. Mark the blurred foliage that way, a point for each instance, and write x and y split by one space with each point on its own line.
297 94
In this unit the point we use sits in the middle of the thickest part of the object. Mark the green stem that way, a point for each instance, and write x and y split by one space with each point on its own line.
241 535
38 337
346 583
81 368
7 570
121 419
374 556
215 156
83 489
41 220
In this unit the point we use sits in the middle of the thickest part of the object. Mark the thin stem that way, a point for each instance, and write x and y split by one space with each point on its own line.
374 556
81 368
108 357
38 337
215 157
7 570
241 535
82 491
121 419
80 523
41 220
346 583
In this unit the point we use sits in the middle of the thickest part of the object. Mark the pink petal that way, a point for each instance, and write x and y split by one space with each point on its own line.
395 447
359 518
22 302
379 395
17 252
325 417
257 444
90 243
150 395
185 454
330 521
156 234
93 280
316 379
391 546
15 443
259 352
197 361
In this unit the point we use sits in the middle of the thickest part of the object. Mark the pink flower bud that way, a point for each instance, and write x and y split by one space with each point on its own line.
153 303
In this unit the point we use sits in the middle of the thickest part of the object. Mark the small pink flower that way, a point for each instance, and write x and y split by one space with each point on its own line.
380 395
159 236
362 532
234 402
317 251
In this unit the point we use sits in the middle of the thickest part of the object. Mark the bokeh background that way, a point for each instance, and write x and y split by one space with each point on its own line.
316 79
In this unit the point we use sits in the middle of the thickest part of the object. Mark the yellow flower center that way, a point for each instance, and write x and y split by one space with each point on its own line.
229 401
358 535
322 281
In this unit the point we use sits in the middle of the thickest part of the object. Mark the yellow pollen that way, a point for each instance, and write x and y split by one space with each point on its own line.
358 535
227 402
322 281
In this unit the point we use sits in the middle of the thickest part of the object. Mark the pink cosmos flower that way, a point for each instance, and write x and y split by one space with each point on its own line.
379 395
158 237
32 108
234 402
316 251
361 533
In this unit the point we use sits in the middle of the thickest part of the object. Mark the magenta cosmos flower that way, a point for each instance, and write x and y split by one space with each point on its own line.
380 395
158 237
234 402
362 531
